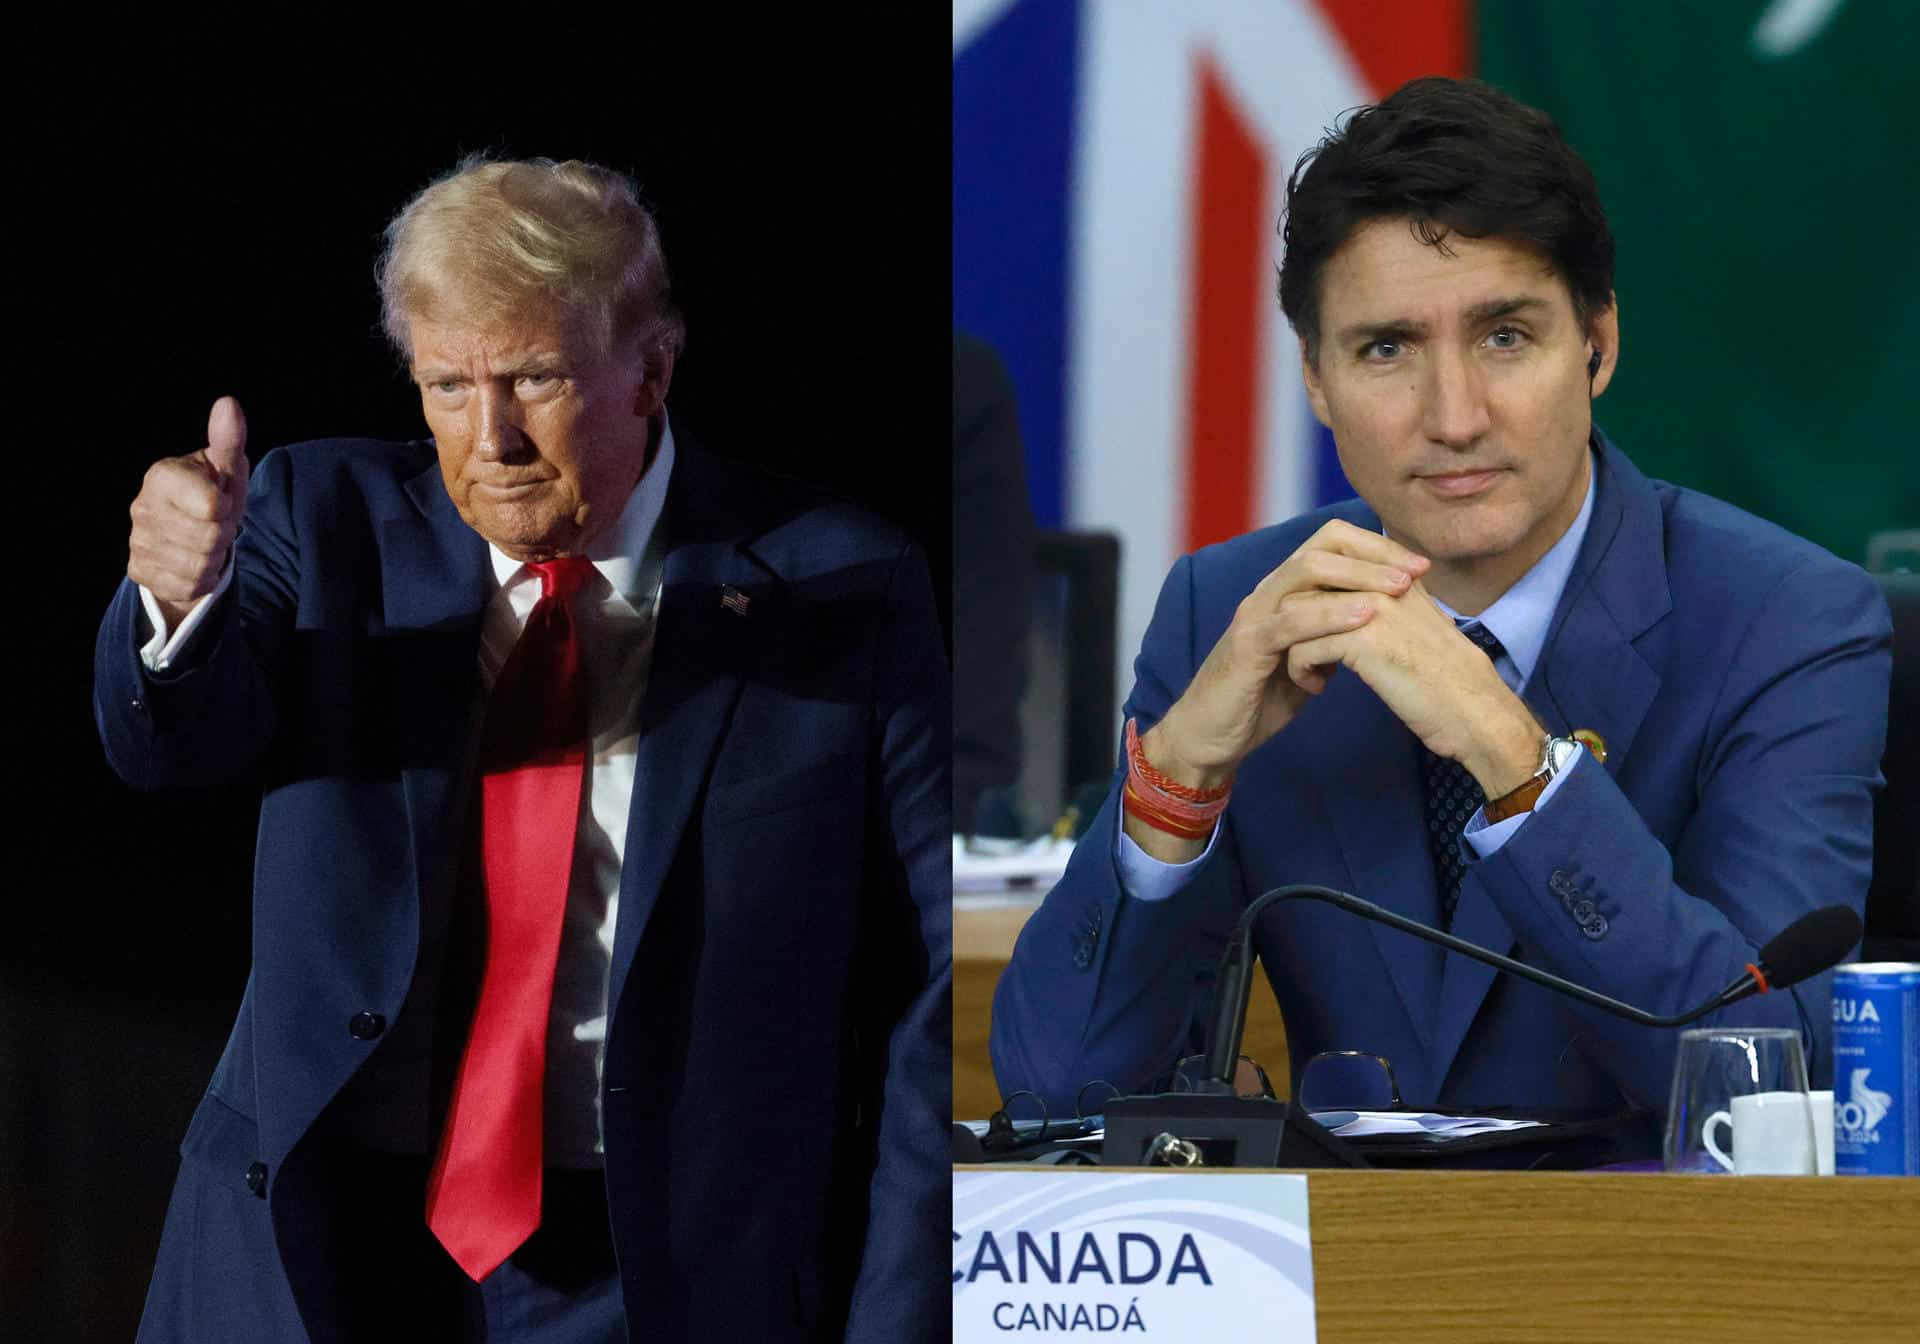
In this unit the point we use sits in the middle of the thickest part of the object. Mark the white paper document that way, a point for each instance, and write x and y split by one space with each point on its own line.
1363 1123
1033 865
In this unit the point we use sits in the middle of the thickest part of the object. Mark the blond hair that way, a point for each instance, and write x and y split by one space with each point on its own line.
494 239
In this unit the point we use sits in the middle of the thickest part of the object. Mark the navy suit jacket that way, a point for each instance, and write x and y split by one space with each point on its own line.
775 1087
1739 677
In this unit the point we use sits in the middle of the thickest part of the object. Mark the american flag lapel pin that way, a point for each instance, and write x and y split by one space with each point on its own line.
734 600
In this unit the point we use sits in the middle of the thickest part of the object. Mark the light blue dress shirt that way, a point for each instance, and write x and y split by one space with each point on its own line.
1519 618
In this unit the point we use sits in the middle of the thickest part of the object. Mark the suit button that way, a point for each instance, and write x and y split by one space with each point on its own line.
1595 928
1089 938
257 1179
366 1026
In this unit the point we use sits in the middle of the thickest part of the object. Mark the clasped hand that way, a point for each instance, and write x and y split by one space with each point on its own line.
1353 599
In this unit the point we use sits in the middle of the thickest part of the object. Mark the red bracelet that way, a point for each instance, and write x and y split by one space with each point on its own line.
1139 806
1137 758
1162 803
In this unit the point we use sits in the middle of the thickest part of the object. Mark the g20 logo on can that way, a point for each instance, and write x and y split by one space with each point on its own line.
1863 1110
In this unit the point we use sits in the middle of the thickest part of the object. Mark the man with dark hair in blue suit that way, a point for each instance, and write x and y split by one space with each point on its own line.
1382 696
601 910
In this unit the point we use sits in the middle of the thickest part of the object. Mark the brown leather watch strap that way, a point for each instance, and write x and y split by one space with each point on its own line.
1519 800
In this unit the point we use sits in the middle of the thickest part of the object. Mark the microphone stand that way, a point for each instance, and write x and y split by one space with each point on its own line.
1260 1131
1235 982
1227 1129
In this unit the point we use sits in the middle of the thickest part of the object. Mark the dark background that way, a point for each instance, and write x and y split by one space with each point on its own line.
199 214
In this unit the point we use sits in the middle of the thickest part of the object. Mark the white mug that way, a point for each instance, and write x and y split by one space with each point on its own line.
1772 1134
1822 1104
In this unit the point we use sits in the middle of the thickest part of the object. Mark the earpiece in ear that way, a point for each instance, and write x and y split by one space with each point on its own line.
1593 365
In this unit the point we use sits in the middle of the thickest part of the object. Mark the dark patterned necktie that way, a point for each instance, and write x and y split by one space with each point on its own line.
1453 796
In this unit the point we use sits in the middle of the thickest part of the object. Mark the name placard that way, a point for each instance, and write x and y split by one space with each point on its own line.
1152 1255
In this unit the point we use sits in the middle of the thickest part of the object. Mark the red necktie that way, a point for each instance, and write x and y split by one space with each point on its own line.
483 1197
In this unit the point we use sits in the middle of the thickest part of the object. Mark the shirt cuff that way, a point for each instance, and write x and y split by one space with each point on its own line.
160 650
1484 841
1145 878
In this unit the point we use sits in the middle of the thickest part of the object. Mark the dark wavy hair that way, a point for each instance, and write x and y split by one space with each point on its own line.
1450 156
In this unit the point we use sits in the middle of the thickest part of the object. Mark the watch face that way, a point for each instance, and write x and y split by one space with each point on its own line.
1560 753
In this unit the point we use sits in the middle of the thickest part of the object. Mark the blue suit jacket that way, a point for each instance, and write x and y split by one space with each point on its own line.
777 1057
1739 676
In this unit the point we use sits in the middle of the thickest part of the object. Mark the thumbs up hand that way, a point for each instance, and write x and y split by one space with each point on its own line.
187 514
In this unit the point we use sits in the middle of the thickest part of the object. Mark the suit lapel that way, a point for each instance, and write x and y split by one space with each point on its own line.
433 590
1589 676
700 650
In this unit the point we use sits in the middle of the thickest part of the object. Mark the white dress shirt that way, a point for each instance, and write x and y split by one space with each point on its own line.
1520 619
616 615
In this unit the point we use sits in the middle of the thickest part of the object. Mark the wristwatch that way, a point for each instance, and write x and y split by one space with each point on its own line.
1556 755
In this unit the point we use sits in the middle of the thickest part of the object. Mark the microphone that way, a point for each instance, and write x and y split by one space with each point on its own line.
1805 947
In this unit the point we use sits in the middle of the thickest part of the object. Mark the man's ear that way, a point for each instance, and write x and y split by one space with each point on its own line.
1316 394
652 392
1603 334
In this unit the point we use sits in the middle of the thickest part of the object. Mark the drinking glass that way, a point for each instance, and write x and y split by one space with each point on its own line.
1705 1130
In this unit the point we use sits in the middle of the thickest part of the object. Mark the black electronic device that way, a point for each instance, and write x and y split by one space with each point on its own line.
1228 1131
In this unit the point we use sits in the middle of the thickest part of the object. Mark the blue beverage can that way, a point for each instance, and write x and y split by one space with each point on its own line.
1876 1069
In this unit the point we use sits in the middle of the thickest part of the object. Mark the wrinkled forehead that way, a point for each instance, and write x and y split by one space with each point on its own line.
1386 270
461 327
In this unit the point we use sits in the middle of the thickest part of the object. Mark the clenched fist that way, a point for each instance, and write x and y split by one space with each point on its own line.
187 513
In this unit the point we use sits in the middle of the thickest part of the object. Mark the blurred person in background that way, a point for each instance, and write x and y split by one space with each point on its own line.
993 538
1382 696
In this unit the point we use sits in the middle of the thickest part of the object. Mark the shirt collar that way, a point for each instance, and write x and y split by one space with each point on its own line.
1520 617
618 551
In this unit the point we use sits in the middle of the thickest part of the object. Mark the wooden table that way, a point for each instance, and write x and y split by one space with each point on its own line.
983 937
1486 1257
